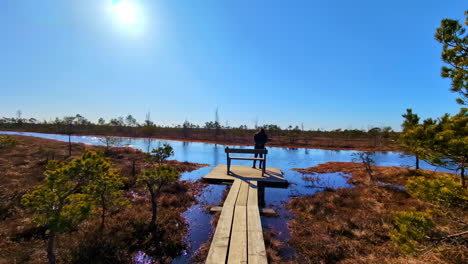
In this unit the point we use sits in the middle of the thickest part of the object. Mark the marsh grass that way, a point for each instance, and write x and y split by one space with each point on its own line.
354 225
125 232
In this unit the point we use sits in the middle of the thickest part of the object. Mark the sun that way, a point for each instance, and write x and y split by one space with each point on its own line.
126 12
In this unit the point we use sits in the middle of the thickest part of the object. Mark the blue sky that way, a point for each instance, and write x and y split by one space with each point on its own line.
326 64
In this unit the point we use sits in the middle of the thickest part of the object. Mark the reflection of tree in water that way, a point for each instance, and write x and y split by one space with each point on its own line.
306 151
185 146
128 142
215 155
148 142
323 180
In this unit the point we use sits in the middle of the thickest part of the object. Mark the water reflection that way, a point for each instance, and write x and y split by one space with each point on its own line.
215 155
185 149
142 258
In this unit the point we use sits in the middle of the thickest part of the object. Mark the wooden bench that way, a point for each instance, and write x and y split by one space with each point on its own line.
246 151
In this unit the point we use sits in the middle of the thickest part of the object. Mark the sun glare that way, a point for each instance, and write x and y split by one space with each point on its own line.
126 12
128 16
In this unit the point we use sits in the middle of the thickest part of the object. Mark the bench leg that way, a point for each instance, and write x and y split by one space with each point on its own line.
228 166
263 166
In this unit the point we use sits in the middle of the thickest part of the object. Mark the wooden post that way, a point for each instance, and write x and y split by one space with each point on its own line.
261 195
228 160
264 165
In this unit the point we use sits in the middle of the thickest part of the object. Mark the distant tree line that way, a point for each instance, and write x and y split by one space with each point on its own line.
211 130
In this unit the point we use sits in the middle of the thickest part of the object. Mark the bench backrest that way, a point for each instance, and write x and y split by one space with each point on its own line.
246 151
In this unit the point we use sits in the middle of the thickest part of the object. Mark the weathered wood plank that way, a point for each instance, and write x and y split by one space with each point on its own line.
243 194
246 158
253 194
238 244
256 245
220 243
233 193
246 151
263 211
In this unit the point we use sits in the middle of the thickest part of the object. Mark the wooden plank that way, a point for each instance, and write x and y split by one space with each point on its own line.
263 211
246 151
268 212
233 193
253 194
243 194
238 244
220 243
256 245
245 158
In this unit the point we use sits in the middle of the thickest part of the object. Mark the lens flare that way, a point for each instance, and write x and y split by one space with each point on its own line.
126 12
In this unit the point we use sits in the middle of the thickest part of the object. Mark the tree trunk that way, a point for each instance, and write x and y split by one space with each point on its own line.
417 162
51 247
69 145
462 175
154 208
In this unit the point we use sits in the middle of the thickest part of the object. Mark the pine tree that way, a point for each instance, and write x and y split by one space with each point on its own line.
154 180
454 38
68 195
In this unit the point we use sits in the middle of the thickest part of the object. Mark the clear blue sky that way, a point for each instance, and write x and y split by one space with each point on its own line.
327 64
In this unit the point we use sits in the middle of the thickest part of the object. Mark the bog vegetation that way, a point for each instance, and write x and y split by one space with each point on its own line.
91 207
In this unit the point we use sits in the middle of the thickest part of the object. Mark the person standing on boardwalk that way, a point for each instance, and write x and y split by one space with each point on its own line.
260 138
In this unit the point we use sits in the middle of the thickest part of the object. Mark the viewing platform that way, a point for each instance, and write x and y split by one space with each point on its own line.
273 177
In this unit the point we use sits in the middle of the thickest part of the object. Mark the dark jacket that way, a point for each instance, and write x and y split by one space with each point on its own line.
260 139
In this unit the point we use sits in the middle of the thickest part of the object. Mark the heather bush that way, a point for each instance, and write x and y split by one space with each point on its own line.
410 228
7 142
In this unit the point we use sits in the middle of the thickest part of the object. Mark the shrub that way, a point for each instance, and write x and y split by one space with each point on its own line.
160 154
410 227
441 189
366 158
7 142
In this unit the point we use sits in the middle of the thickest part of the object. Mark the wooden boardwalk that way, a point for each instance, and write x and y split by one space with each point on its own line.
239 237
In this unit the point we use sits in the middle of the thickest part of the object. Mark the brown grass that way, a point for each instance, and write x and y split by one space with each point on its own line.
351 225
387 174
22 167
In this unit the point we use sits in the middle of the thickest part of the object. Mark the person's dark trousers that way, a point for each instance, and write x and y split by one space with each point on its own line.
256 155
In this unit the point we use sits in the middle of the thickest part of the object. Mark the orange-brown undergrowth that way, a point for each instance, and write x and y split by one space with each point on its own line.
351 225
22 167
392 175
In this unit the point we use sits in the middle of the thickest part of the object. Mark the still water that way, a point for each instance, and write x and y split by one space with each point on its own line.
283 158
